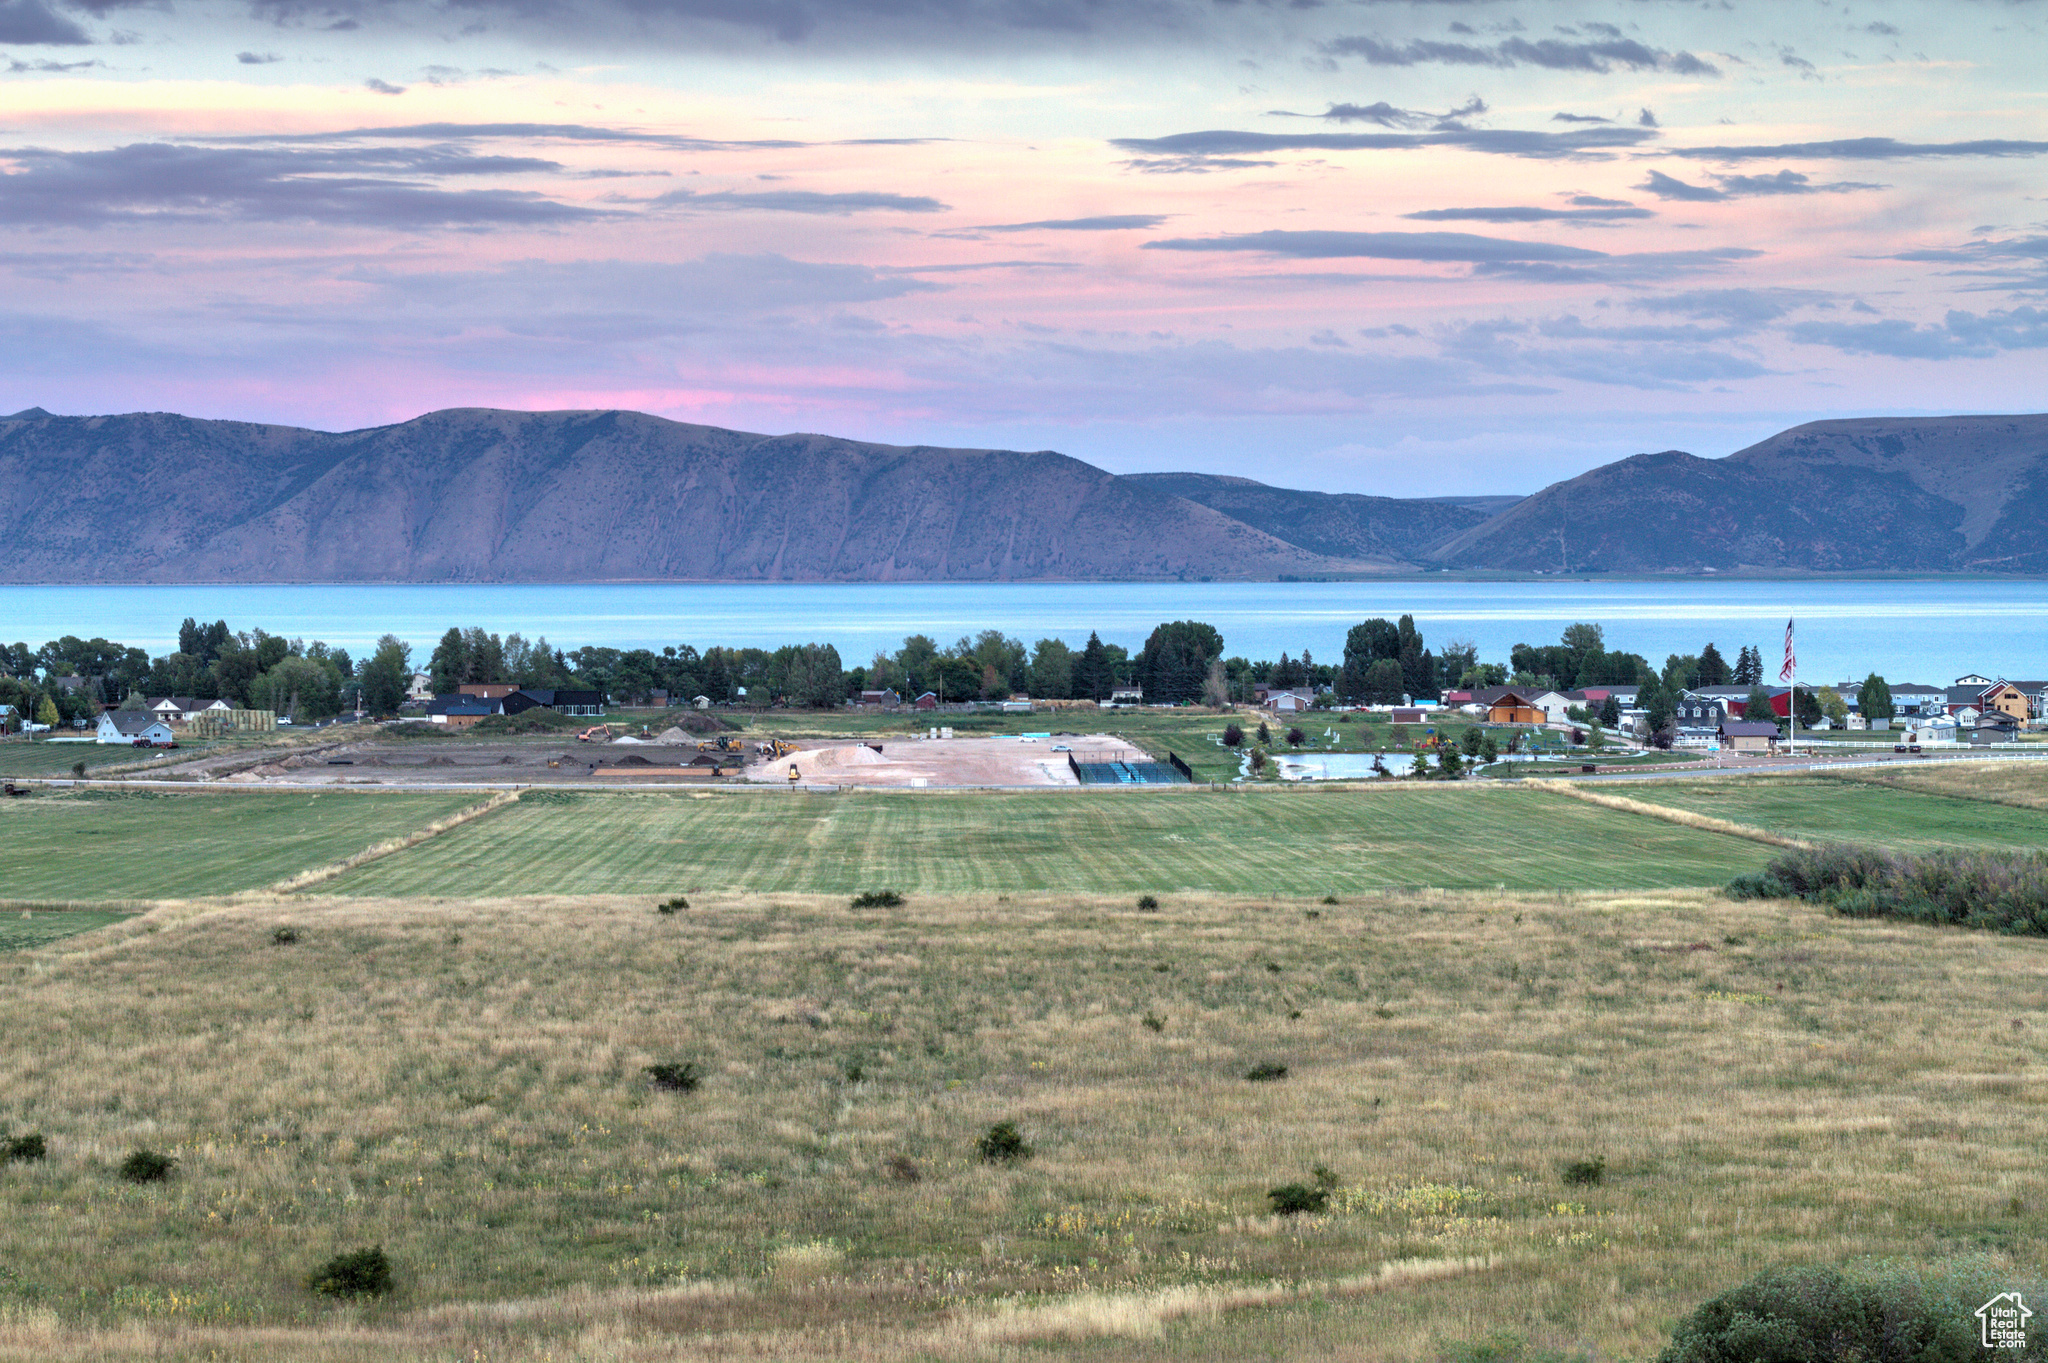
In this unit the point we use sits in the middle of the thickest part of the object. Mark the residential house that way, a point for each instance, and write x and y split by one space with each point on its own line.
1512 707
1550 706
1697 710
1127 695
1993 726
886 698
2036 693
1918 698
185 709
128 728
1017 705
562 702
8 719
420 688
928 700
1406 714
1593 697
487 690
1291 702
1749 735
460 710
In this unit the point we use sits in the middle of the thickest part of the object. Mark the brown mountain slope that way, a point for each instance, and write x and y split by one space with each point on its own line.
1870 495
1391 530
475 495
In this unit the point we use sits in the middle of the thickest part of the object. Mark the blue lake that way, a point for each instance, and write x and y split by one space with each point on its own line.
1923 631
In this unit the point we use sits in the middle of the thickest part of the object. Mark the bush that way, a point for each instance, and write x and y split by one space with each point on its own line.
903 1169
855 1072
1233 736
1292 1199
669 906
284 936
1505 1347
877 899
2004 890
1295 738
24 1148
147 1166
683 1078
1153 1022
1002 1144
1148 903
1266 1073
1882 1313
358 1273
1586 1172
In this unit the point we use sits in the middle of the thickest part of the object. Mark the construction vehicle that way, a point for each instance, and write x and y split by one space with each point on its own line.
727 744
775 747
596 733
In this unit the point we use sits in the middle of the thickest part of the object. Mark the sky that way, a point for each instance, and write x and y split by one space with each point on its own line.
1410 247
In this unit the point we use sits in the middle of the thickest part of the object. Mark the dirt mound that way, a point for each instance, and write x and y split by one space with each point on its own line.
672 734
857 756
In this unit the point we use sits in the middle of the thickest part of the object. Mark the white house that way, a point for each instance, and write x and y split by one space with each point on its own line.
1127 695
183 709
420 688
129 727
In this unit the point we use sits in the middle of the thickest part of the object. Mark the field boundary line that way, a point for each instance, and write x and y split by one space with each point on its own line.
1683 817
321 874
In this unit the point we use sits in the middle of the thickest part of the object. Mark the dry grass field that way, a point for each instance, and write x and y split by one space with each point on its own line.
2021 784
460 1081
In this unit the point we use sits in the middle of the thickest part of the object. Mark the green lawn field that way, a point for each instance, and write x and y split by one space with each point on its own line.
56 759
1276 842
1839 809
24 930
104 845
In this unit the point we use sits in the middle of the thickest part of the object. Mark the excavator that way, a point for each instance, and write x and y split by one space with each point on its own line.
596 733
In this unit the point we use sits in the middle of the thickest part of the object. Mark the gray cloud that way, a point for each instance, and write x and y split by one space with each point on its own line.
1197 149
1389 116
1746 186
1655 359
150 182
1602 213
1747 308
257 58
800 201
1642 267
43 65
31 23
383 87
1579 118
1459 247
1860 149
1962 335
1108 222
1550 53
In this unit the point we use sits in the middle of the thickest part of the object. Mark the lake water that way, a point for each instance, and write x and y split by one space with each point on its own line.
1924 631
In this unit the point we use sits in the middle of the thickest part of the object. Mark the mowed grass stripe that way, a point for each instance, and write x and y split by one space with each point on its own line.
1833 809
177 846
1280 842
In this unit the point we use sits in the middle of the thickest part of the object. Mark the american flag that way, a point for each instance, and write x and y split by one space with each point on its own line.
1791 667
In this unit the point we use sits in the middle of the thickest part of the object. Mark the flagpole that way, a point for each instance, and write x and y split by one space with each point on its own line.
1792 697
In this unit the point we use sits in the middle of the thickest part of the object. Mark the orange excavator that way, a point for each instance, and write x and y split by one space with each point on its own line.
596 733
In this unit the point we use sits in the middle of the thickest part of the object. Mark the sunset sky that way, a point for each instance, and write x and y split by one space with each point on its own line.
1411 248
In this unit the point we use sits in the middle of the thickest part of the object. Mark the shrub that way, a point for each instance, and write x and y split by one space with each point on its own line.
78 770
855 1072
1002 1144
669 906
284 936
1882 1313
358 1273
1292 1199
147 1166
1295 738
877 899
1503 1346
1586 1172
903 1169
1154 1023
2005 890
1233 736
1329 899
24 1148
1265 735
1266 1072
683 1078
1148 903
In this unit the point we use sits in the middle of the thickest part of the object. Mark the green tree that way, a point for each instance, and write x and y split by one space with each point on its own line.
1471 740
1713 669
1216 686
1658 706
1418 669
1874 698
449 667
1383 683
1052 669
1367 643
1176 660
1449 765
46 712
1757 705
1681 672
1749 666
386 675
1807 706
1834 707
1092 675
1610 711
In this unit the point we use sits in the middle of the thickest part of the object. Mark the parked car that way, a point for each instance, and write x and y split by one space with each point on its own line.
1898 747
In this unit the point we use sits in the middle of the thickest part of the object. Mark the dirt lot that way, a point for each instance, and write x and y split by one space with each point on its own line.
946 762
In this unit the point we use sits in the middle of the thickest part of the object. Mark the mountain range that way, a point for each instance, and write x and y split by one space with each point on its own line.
476 495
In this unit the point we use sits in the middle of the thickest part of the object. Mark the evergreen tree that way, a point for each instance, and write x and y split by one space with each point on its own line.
1713 670
449 667
1610 711
1874 698
1417 667
1749 666
1092 676
1758 706
1366 644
